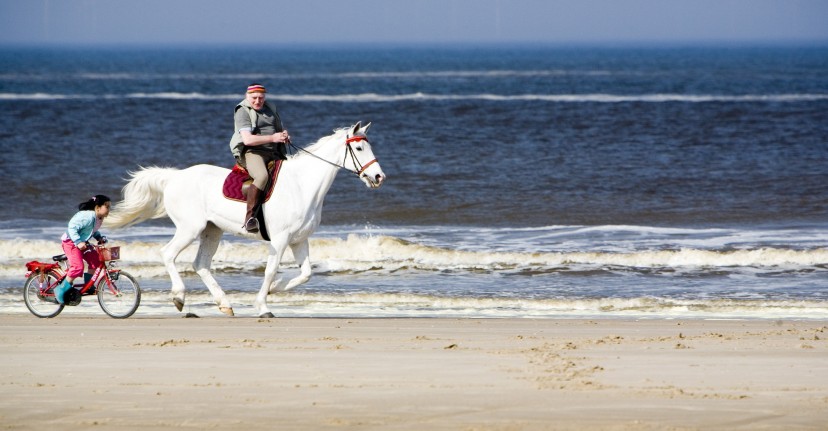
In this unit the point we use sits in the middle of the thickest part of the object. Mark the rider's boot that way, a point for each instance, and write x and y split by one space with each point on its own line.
251 224
61 289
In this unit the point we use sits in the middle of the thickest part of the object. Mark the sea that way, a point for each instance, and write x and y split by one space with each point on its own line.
523 181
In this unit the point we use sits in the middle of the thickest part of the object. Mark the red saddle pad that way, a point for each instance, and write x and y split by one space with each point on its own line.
232 188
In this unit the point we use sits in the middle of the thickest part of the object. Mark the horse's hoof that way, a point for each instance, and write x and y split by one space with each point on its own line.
267 315
179 304
227 310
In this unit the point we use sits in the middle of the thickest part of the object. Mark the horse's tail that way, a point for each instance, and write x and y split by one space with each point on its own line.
143 197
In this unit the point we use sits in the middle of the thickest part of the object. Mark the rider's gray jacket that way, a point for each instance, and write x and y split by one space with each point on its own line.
237 143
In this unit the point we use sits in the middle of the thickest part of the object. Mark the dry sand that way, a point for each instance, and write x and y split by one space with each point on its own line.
79 373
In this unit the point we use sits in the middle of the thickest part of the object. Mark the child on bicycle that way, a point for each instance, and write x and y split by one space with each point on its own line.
83 226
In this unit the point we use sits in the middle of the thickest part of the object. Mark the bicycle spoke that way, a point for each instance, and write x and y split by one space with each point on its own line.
119 298
38 294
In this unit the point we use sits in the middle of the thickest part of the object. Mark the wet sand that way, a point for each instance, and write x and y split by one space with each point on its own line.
80 373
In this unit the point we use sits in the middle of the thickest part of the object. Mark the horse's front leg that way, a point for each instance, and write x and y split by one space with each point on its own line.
301 252
270 273
302 256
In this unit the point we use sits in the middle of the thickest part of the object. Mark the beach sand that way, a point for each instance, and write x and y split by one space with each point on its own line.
80 373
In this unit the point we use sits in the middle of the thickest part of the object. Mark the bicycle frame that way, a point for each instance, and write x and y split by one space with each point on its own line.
59 269
101 271
118 292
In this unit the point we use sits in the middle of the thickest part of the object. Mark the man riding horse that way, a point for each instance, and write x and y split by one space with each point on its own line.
259 139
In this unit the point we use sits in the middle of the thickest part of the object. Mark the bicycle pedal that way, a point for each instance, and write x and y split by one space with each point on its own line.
72 297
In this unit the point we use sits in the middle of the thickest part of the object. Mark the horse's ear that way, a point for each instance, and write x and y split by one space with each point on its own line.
365 128
355 129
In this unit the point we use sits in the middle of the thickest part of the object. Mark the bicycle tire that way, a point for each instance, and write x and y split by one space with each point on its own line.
41 306
124 300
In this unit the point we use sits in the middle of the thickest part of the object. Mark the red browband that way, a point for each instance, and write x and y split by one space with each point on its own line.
355 139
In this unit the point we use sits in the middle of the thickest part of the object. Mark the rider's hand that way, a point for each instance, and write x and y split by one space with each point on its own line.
82 246
281 137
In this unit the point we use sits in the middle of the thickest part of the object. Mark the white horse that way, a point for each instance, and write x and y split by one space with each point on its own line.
192 198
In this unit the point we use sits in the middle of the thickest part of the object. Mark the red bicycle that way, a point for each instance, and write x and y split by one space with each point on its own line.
118 292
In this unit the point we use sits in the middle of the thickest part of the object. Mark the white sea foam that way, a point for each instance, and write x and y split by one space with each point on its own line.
386 254
379 274
299 304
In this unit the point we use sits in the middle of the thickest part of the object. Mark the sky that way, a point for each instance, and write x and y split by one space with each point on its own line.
280 22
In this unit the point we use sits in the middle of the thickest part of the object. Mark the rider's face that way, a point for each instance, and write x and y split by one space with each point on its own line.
256 100
103 210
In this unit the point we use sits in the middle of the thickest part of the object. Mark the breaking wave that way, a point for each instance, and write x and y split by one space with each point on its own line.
388 254
427 97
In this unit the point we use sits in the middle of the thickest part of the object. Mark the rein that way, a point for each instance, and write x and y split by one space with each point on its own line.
348 151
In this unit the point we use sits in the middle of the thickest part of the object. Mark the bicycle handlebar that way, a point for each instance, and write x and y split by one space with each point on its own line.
96 247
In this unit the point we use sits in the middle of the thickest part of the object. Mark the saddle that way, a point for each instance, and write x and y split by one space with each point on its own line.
238 181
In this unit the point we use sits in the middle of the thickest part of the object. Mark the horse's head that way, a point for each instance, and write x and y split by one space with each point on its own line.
359 157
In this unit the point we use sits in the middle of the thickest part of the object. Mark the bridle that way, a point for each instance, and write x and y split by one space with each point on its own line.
349 151
354 159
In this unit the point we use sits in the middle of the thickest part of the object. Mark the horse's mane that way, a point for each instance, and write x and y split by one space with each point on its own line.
315 146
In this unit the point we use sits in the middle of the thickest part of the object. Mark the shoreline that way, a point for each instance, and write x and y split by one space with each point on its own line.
412 373
322 303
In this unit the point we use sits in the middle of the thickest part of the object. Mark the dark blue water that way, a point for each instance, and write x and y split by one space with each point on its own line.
619 152
75 120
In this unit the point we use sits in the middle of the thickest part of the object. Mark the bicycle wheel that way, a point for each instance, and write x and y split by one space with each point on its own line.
39 296
122 298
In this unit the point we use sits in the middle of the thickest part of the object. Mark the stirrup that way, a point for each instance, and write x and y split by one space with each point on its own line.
252 225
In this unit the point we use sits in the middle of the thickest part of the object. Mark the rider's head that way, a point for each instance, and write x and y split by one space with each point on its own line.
256 95
98 203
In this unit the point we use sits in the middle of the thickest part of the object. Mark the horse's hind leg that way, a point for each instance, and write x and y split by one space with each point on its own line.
169 253
208 244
